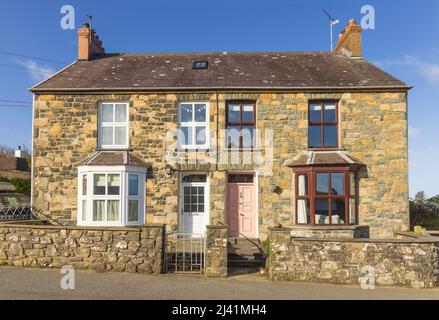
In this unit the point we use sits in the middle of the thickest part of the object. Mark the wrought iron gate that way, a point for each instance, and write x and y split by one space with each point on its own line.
184 253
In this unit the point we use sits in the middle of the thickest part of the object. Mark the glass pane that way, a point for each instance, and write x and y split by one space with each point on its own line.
234 113
107 135
247 136
113 210
248 113
113 184
187 191
303 211
200 135
200 112
353 186
99 184
330 136
315 136
121 136
98 210
315 112
233 137
337 183
201 207
186 113
329 112
133 185
107 112
186 136
302 184
84 185
121 112
133 210
84 210
353 211
321 208
240 178
322 184
338 211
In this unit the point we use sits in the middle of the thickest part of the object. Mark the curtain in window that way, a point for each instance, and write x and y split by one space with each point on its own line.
301 204
98 210
113 210
133 210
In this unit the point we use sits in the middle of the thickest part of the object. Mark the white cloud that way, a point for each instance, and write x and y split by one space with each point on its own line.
36 71
414 132
429 70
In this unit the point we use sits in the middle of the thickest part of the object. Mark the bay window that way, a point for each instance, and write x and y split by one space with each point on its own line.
113 125
111 195
326 196
193 125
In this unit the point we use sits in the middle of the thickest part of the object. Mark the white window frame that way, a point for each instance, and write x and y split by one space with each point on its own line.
123 196
113 124
193 124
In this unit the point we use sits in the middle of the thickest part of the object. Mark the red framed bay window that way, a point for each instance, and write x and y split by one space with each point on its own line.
326 196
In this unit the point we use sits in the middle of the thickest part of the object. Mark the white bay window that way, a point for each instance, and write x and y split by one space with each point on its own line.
111 195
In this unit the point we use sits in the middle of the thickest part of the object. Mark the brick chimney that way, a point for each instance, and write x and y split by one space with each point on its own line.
349 40
89 46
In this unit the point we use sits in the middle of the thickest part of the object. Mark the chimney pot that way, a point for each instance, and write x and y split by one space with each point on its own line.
349 40
89 45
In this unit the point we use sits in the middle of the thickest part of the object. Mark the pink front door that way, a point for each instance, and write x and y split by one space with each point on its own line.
241 205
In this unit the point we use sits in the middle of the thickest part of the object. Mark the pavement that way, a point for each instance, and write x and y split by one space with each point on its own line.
22 283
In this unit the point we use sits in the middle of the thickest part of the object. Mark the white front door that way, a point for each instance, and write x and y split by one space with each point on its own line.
194 204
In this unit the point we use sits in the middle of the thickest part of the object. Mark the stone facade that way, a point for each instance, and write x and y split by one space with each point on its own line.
215 265
373 128
409 263
137 249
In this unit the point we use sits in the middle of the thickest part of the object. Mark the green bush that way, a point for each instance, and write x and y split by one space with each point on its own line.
22 185
424 212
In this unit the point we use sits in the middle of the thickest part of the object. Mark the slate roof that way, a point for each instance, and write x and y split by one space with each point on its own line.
114 158
260 70
325 158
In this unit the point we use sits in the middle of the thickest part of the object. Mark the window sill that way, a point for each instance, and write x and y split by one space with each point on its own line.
326 227
183 149
114 149
326 149
240 149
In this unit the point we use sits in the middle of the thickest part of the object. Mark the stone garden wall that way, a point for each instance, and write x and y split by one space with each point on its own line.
215 265
137 249
397 262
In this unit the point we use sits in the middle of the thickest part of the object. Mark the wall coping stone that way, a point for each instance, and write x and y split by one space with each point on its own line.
52 227
327 227
421 239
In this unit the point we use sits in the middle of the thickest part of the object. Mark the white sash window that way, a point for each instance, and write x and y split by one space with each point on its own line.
193 125
113 125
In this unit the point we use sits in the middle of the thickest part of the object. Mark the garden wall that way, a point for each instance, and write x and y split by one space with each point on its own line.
396 262
136 249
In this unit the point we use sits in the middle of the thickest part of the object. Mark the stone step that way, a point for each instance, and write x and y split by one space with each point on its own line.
240 241
245 264
246 255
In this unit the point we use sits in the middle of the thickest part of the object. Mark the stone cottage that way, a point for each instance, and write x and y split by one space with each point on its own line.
315 141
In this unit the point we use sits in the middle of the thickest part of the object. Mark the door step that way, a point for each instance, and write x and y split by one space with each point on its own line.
245 253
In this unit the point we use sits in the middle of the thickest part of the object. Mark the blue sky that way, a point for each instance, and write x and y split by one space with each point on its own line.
404 42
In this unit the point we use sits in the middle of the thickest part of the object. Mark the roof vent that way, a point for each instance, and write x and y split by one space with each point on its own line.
199 65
